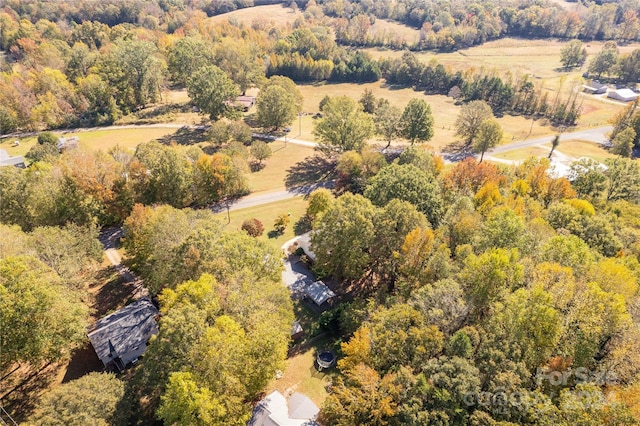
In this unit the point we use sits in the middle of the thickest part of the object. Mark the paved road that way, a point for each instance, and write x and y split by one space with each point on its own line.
270 197
597 135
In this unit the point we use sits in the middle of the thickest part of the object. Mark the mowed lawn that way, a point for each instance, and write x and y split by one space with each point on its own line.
301 375
578 148
267 214
272 176
97 140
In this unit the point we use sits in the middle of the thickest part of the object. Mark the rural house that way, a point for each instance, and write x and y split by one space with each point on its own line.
120 338
7 160
624 95
595 88
276 410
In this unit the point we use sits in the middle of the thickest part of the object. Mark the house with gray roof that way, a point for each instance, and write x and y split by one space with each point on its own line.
7 160
319 293
120 338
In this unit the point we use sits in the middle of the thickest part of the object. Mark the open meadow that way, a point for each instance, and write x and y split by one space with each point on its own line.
278 14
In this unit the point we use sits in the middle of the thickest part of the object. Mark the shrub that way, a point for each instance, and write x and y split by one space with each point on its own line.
281 223
253 227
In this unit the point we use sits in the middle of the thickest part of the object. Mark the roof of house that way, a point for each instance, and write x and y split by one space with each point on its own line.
7 160
596 85
301 407
125 330
275 410
624 93
70 142
319 292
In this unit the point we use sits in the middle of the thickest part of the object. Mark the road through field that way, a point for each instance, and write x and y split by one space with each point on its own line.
597 135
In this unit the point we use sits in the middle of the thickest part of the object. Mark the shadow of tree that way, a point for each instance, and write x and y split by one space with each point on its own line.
24 388
457 151
83 361
273 234
114 294
185 136
311 170
302 225
255 166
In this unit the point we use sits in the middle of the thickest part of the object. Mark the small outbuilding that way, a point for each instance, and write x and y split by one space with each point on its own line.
7 160
595 88
319 293
64 144
120 338
276 410
246 102
624 95
296 331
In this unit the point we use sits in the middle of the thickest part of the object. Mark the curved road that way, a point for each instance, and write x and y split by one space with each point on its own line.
597 135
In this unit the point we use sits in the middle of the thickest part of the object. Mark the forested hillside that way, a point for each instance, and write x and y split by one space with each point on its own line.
89 63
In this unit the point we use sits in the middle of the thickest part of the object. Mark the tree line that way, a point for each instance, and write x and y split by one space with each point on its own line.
59 70
448 26
505 95
95 188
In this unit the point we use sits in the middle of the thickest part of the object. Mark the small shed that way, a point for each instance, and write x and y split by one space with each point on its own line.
67 143
624 95
319 293
296 330
7 160
595 88
246 102
121 338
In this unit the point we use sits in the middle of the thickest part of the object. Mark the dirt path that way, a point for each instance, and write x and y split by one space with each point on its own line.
109 237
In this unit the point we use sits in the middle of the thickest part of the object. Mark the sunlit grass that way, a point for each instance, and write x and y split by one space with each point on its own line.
272 176
267 214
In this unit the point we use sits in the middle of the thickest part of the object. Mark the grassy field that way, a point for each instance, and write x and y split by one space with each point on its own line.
276 13
570 148
521 154
579 148
391 29
272 176
267 214
443 108
95 139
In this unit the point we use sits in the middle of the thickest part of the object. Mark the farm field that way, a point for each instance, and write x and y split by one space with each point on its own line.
392 29
443 108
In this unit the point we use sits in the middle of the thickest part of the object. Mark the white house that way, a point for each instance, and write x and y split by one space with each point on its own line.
276 410
624 95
